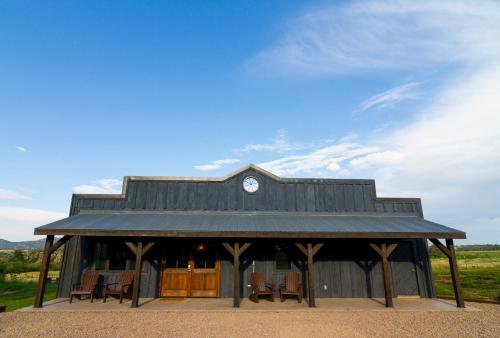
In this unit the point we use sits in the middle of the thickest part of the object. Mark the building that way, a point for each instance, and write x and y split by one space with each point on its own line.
201 237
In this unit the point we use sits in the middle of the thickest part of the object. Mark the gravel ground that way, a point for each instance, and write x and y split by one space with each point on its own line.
237 323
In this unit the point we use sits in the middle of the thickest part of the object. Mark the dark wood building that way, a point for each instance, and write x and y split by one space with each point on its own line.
201 237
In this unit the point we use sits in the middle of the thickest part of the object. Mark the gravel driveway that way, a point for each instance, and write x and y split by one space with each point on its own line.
238 323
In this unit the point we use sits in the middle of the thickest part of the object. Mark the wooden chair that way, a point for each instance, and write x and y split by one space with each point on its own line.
260 287
86 287
121 288
291 286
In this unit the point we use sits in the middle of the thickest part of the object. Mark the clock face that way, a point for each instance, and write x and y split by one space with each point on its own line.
250 184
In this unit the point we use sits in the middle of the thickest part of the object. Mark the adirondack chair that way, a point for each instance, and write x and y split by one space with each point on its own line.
86 287
121 287
260 287
291 286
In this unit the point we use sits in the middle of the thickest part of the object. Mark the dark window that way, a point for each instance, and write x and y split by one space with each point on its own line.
204 256
112 256
100 256
177 257
282 259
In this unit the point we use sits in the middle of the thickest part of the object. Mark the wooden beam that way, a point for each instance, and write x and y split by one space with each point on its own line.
132 247
244 247
59 243
375 248
236 275
386 272
147 247
457 286
137 275
310 275
391 248
441 247
44 269
228 248
384 251
316 248
302 248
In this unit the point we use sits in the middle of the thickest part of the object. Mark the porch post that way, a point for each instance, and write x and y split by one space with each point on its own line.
44 269
236 275
309 253
387 277
457 286
449 251
236 251
137 275
384 251
310 276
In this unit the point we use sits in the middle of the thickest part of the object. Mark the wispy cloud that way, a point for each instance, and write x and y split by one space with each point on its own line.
103 186
280 145
390 34
448 154
392 96
17 223
21 149
6 194
216 164
329 158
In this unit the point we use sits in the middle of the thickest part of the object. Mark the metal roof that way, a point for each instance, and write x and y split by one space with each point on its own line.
247 224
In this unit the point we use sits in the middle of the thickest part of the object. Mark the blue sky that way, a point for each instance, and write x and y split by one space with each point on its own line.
402 92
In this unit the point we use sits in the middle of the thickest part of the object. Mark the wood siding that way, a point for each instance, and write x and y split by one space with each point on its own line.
308 195
348 268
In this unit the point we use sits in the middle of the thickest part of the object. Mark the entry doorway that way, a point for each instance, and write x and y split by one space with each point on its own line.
190 270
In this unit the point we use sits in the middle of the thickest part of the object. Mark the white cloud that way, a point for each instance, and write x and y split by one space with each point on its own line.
279 145
389 34
6 194
377 159
103 186
392 96
328 158
17 224
216 164
21 149
449 154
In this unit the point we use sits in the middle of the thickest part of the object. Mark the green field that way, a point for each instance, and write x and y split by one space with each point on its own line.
479 273
18 294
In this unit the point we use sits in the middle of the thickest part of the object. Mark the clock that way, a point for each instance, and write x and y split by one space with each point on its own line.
250 184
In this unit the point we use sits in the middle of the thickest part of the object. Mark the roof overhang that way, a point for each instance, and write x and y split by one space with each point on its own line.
247 224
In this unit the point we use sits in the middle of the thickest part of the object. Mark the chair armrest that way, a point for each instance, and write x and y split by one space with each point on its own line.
126 286
272 286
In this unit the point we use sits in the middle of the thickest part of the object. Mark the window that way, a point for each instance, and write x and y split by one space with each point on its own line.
282 259
112 256
204 256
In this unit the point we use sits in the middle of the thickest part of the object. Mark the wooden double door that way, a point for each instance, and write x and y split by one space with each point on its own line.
190 270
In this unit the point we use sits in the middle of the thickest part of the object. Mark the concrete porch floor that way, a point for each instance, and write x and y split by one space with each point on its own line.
225 304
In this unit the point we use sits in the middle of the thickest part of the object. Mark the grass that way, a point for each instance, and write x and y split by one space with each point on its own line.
479 274
16 294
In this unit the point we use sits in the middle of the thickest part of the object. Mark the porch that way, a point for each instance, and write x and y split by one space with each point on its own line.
226 304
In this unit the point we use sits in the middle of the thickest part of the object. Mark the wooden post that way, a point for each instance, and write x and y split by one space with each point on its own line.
236 275
384 251
449 251
137 275
309 253
310 275
236 251
386 271
457 286
44 270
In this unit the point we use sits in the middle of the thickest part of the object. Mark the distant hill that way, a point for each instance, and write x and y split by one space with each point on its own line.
38 244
